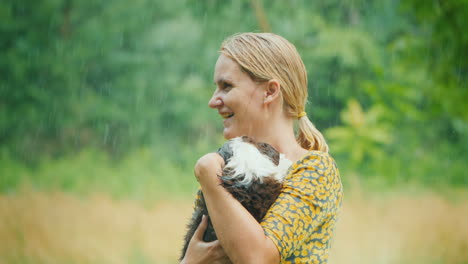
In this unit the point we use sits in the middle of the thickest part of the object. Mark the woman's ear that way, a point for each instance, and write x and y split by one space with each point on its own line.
272 91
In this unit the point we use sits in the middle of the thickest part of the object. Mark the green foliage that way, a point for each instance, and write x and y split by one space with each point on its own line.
144 174
85 84
363 134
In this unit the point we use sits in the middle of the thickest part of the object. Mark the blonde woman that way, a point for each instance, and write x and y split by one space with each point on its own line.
261 91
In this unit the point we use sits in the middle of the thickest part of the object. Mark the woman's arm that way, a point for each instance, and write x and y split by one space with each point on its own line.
240 235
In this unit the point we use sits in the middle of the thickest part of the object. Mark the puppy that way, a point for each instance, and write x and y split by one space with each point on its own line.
253 174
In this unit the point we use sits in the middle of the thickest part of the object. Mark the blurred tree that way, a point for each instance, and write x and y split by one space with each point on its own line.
362 134
438 43
118 76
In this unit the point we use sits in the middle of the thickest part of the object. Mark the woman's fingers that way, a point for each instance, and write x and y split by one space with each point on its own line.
217 252
213 245
205 252
198 235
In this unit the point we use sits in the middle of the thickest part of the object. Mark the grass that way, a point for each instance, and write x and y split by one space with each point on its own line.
58 227
143 175
402 227
87 208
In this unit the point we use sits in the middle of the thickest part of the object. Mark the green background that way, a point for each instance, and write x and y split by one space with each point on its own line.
112 95
104 112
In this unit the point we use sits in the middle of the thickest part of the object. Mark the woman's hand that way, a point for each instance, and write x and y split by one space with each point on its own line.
209 167
200 252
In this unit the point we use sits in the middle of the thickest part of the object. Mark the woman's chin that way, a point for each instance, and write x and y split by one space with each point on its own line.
228 134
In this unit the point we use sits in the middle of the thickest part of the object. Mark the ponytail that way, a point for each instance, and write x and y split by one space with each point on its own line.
266 56
310 137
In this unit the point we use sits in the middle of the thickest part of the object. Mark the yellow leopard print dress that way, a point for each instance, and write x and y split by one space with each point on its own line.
302 220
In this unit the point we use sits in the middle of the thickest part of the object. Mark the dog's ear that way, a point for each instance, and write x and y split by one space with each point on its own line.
269 151
264 148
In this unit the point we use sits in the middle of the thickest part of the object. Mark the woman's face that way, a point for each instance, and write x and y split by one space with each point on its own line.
238 99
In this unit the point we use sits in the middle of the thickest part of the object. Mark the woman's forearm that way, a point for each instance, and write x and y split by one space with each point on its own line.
239 233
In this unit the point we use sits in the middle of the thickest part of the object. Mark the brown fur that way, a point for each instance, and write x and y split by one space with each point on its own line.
256 198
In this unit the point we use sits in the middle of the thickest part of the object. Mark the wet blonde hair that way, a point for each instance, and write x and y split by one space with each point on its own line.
266 56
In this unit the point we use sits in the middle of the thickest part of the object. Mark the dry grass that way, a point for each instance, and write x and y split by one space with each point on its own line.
59 228
422 228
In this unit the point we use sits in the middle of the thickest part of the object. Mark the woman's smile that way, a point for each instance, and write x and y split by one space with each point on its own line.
227 115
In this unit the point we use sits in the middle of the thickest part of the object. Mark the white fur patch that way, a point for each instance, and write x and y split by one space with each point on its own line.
248 161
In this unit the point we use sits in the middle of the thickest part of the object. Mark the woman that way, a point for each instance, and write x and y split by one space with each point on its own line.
261 89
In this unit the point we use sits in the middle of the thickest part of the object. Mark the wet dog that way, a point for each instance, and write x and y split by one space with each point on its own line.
253 174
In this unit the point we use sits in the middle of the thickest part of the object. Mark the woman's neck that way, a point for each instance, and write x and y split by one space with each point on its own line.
280 135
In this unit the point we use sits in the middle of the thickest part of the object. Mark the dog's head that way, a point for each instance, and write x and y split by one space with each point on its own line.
248 160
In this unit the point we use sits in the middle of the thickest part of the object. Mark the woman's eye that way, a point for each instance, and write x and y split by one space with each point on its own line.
224 86
227 86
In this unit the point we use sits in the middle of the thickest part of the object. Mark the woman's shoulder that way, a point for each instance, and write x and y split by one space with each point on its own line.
314 159
313 165
317 174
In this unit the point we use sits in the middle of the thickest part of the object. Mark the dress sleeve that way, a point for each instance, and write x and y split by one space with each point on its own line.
303 203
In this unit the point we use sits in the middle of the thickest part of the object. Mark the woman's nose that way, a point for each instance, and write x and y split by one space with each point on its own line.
215 101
